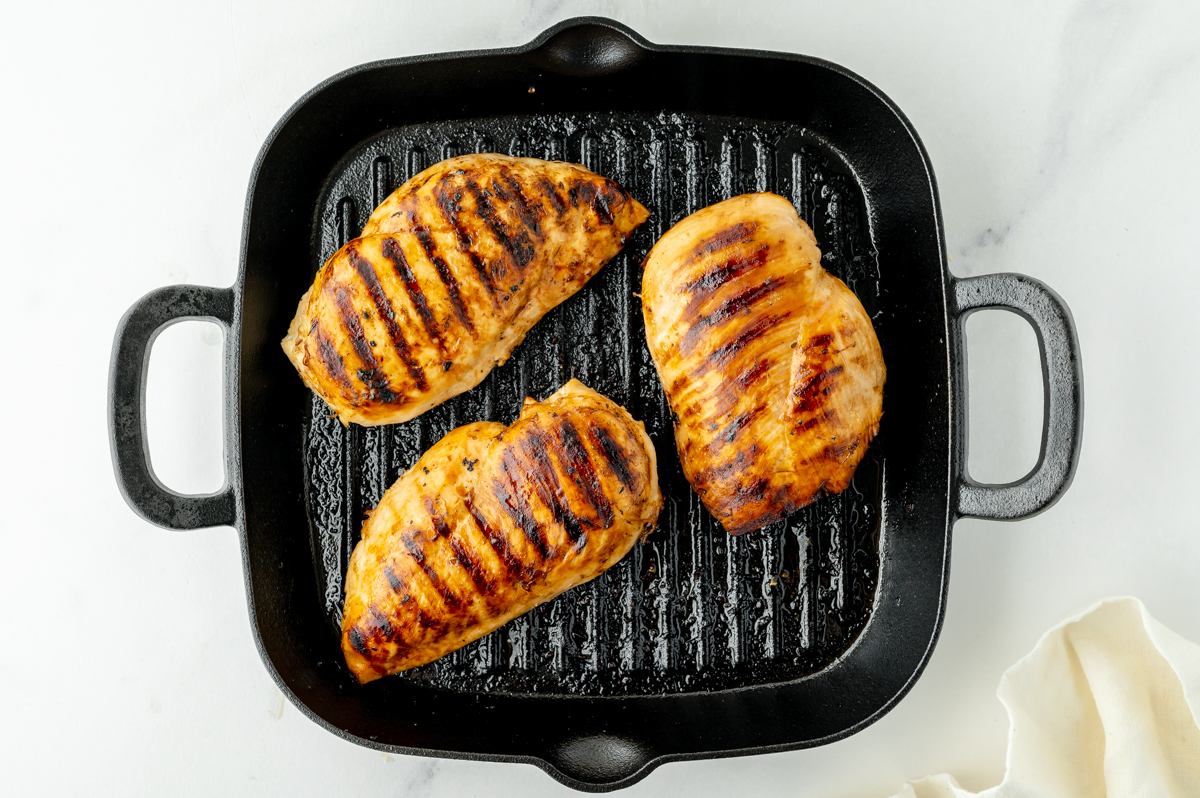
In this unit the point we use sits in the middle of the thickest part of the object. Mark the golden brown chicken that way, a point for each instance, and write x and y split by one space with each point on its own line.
450 273
771 366
491 522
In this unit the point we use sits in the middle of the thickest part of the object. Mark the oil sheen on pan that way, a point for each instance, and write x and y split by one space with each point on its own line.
692 609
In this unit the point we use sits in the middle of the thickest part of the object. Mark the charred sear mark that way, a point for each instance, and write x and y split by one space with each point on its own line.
499 543
371 374
357 642
393 252
474 570
425 238
722 239
381 624
387 313
747 493
730 434
592 195
602 207
810 394
546 186
417 552
578 466
840 452
516 507
517 245
703 287
331 359
614 456
739 303
724 353
440 528
750 376
449 206
393 581
728 394
546 485
433 623
722 471
530 214
821 341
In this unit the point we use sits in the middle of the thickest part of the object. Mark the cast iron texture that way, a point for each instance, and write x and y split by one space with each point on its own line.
595 77
693 609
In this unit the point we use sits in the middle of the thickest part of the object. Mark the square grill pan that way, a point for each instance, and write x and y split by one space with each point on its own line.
694 609
697 644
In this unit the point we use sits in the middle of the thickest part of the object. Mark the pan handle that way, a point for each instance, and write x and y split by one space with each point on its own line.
140 325
1062 380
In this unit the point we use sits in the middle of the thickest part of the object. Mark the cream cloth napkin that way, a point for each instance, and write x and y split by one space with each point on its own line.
1106 704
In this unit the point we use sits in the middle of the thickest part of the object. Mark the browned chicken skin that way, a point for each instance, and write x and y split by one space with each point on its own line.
771 365
493 521
448 276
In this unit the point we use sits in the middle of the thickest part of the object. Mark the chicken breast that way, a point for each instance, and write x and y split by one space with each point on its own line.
449 274
493 521
771 365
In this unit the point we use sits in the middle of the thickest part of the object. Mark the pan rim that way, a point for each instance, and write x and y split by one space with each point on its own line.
234 424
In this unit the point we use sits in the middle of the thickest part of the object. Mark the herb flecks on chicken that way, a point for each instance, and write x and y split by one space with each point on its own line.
450 273
493 521
771 365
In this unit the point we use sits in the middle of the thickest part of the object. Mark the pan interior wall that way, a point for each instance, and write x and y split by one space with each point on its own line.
693 609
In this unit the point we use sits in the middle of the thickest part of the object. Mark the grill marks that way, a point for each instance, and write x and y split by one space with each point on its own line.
387 314
515 568
449 206
330 358
600 205
767 412
742 302
546 486
740 233
416 551
508 189
452 551
740 422
516 243
370 374
810 394
548 189
614 456
718 274
578 465
512 501
444 273
474 570
727 351
392 251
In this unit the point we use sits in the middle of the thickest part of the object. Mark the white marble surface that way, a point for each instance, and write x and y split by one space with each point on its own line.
1063 137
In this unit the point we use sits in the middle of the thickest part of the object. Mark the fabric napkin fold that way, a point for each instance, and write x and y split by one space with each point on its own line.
1106 704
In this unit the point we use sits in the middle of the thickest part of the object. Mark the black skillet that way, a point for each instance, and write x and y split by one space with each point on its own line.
696 645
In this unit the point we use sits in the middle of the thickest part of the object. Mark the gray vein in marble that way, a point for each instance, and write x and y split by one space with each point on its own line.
1094 39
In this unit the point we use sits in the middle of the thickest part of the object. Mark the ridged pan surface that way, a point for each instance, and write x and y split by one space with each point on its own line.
692 609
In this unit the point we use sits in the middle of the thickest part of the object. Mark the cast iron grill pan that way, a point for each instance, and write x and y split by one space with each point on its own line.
695 645
694 608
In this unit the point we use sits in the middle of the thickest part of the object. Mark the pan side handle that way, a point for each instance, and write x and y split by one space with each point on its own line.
140 325
1062 381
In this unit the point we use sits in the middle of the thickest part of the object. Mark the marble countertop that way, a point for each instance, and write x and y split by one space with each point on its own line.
1063 138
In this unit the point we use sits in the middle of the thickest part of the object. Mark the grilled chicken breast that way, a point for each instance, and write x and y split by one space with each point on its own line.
449 274
771 365
491 522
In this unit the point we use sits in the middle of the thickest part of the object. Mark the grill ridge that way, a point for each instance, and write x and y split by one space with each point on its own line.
692 609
